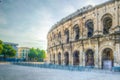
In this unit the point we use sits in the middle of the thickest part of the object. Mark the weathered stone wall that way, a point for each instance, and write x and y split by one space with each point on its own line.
97 43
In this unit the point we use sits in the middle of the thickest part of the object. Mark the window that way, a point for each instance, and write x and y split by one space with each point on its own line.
77 31
107 23
90 26
67 35
59 37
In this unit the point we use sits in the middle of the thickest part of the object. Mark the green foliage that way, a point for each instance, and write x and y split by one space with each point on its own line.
43 54
1 47
37 54
8 51
32 53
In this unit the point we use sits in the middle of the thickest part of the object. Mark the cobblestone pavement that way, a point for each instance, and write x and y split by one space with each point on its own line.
15 72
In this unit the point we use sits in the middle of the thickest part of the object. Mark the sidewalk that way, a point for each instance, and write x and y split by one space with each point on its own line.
5 63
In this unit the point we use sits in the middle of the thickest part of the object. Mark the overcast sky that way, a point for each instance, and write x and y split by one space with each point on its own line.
27 22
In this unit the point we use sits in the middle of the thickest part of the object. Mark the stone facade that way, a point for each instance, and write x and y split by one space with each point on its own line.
88 37
23 52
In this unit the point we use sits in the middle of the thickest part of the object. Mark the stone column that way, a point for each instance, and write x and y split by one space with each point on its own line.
96 63
116 55
116 22
100 59
83 62
62 58
81 58
95 23
70 58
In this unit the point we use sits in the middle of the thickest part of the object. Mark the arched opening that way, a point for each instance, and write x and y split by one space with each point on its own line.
50 57
90 26
59 58
59 37
89 58
54 58
67 35
107 23
77 31
107 58
76 58
66 55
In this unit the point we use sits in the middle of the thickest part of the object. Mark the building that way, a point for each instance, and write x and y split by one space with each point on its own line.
23 52
14 46
88 37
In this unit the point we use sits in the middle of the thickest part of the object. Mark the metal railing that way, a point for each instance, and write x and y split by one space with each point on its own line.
54 66
64 67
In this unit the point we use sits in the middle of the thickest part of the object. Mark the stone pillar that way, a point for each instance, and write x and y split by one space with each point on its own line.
116 55
83 59
96 23
70 58
62 58
100 59
96 63
116 22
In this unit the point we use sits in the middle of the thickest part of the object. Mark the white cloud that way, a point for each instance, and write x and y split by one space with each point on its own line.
3 21
45 21
68 9
35 20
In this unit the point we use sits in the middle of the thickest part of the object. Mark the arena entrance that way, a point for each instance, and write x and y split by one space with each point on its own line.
76 58
59 58
66 60
107 59
89 58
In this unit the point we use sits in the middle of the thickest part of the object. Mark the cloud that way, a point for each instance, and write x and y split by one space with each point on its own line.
28 22
41 27
3 20
68 9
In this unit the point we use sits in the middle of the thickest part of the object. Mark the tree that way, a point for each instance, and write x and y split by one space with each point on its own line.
36 54
1 47
8 51
32 54
43 54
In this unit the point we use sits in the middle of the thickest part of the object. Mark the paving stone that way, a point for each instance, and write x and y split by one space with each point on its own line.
16 72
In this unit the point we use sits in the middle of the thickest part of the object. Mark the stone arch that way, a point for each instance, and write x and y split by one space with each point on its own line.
67 35
90 27
107 58
59 58
59 34
76 60
101 51
107 23
76 31
89 58
66 58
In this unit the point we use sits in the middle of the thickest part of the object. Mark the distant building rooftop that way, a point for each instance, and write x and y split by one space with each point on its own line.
23 47
10 43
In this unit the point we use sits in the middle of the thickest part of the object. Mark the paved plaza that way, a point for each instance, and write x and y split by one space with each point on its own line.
15 72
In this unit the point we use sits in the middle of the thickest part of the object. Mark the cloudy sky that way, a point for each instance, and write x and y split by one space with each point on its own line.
27 22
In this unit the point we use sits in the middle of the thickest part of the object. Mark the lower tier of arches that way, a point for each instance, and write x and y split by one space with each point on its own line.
104 59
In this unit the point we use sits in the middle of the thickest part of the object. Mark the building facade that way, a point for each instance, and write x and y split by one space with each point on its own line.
88 37
23 52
